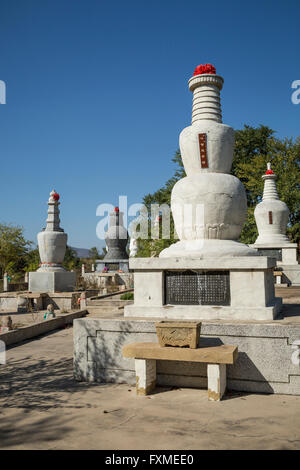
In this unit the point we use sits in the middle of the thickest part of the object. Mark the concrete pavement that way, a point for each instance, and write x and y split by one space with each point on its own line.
42 407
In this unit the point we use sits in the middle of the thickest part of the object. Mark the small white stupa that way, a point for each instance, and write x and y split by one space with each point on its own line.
52 241
272 216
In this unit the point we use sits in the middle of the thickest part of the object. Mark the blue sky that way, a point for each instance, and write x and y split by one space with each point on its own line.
97 95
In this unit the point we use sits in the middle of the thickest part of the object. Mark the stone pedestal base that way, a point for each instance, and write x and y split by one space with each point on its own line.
112 265
286 252
52 281
287 263
250 285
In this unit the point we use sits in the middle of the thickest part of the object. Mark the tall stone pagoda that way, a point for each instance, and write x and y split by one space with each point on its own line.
207 274
271 216
52 242
116 239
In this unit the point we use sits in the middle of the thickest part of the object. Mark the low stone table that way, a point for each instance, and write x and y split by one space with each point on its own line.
146 355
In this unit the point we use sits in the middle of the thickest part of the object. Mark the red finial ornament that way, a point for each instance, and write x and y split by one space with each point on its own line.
269 171
207 68
116 209
55 196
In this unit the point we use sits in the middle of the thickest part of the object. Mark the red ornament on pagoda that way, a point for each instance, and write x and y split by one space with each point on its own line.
207 68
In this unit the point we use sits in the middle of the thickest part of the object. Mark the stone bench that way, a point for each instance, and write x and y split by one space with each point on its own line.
146 355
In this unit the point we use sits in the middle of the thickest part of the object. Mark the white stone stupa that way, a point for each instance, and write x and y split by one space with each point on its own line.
272 216
208 273
209 205
52 241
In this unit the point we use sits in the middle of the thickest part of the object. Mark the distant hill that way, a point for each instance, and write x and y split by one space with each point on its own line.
81 252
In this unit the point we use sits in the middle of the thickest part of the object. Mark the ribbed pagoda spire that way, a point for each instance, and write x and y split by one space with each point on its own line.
53 220
206 97
270 189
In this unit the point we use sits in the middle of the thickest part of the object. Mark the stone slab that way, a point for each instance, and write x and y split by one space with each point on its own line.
205 312
223 354
264 363
239 263
52 281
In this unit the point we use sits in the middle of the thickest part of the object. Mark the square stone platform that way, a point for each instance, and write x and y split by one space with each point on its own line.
287 261
57 281
251 293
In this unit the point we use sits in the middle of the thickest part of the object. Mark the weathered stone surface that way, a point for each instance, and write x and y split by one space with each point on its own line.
216 377
181 334
145 371
223 354
160 264
59 281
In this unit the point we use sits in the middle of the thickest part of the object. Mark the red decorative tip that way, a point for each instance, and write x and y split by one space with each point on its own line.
269 172
55 196
116 209
207 68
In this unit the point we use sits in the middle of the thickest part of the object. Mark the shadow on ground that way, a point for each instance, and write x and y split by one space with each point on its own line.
46 386
14 430
43 384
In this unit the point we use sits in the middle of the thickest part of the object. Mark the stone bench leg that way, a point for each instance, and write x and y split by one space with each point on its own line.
145 371
216 375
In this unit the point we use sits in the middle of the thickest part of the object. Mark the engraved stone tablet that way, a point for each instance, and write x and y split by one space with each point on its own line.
270 218
203 150
197 288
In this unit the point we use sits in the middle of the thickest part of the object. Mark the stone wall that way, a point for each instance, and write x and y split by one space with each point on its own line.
110 281
264 364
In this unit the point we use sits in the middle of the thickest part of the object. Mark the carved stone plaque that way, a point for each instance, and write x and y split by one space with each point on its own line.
270 218
197 288
203 150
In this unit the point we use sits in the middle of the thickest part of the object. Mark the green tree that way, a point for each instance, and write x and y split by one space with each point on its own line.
32 260
94 253
13 249
71 260
254 147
